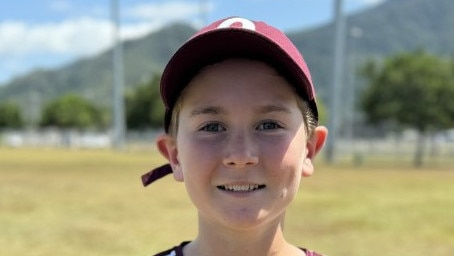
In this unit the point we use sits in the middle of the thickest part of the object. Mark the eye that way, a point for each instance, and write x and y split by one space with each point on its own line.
269 125
212 127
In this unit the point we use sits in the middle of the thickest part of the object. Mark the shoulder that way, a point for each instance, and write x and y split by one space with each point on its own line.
175 251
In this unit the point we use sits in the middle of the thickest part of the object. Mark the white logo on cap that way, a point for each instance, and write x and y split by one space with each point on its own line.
247 24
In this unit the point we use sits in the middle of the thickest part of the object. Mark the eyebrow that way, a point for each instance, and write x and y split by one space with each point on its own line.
210 110
274 108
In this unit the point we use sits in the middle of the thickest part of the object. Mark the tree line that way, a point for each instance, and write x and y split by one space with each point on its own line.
71 111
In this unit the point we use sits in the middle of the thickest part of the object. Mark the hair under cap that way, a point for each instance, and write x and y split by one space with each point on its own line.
229 38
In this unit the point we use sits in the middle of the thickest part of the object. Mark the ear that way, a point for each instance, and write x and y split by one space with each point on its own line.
167 146
313 146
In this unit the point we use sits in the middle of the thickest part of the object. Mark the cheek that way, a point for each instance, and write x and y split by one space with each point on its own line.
286 161
289 173
196 156
288 154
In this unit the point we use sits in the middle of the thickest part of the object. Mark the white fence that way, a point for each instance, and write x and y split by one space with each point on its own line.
55 138
71 138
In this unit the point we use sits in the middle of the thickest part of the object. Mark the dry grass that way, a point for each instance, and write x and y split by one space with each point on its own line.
90 202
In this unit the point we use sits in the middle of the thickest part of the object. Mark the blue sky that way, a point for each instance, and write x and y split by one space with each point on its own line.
50 33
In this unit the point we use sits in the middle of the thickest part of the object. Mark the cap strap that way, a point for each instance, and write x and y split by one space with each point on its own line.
156 174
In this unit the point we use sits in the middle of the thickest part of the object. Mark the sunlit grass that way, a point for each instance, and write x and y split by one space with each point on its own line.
91 202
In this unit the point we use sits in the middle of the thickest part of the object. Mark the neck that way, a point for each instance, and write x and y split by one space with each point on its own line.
266 239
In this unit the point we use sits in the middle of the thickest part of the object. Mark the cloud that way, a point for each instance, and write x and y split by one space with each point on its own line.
87 35
27 46
79 36
24 46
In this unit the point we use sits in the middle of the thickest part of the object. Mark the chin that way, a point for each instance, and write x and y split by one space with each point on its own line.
247 219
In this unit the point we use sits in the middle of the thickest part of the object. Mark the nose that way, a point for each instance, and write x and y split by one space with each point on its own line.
241 151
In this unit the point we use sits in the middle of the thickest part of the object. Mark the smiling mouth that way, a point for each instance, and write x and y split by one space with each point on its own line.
241 188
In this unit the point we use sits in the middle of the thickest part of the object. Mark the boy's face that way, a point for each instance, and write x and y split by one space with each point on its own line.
241 146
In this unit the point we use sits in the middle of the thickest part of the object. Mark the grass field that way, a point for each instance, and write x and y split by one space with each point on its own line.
91 202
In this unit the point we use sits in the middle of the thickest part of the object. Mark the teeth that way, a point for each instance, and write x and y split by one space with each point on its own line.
241 188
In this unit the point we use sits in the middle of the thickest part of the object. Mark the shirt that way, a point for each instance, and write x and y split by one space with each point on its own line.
178 251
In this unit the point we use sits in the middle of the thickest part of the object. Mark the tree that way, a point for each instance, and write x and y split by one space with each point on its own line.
144 108
412 90
10 115
72 111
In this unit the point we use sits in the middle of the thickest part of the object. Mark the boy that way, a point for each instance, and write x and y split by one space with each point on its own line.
241 129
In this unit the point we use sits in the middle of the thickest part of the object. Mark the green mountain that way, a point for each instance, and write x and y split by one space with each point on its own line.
393 26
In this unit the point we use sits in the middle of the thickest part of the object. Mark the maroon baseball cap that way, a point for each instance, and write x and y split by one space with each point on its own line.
233 37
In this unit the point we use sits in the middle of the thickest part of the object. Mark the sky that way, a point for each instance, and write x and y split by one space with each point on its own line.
46 34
